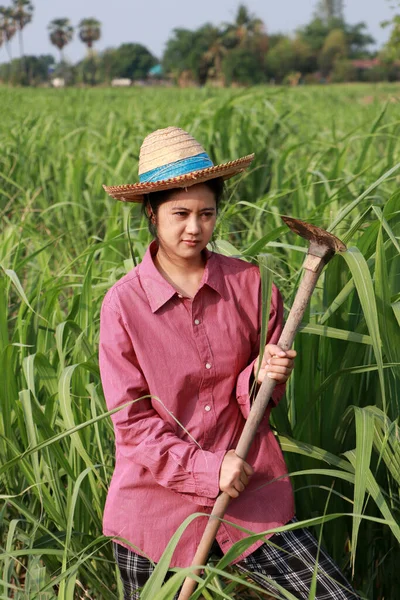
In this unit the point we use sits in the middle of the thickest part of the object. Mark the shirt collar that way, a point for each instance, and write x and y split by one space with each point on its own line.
158 290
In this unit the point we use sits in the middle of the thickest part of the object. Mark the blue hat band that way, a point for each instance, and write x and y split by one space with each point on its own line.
179 167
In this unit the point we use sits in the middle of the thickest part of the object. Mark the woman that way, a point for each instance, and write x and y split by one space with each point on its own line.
179 340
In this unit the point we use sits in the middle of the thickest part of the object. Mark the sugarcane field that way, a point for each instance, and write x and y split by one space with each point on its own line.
329 157
200 301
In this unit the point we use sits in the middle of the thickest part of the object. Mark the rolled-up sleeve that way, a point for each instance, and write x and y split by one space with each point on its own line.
245 385
141 434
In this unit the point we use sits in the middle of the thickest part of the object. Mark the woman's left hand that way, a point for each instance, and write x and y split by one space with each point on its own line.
276 364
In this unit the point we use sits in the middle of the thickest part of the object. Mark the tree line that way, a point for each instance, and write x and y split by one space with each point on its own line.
238 53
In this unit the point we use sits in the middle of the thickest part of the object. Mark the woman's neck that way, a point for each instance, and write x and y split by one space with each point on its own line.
184 275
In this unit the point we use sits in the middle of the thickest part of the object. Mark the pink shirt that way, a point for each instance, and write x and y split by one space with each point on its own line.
195 358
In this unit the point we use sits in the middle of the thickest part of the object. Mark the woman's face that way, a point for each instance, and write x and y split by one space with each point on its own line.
186 221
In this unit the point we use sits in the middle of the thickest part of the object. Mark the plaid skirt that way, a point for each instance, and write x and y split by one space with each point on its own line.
288 558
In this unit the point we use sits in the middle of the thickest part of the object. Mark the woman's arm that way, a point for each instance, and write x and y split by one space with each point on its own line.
141 434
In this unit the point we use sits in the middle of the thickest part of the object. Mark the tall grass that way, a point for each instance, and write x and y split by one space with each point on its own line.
330 156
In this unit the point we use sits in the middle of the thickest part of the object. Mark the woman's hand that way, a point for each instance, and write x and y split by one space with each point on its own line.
276 364
234 474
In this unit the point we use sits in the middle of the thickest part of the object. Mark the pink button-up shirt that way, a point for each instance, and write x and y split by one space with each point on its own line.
195 359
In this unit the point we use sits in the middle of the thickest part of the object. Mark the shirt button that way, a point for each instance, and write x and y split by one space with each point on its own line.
196 322
207 408
208 366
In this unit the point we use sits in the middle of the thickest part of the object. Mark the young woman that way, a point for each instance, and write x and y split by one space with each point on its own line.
179 342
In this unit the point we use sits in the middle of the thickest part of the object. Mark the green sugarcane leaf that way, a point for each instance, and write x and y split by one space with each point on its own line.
364 438
338 334
363 283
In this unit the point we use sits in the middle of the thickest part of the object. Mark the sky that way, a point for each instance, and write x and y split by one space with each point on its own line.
150 22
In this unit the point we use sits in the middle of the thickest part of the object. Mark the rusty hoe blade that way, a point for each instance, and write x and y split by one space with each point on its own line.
322 243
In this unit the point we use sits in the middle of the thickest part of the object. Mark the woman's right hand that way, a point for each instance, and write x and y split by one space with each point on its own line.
234 474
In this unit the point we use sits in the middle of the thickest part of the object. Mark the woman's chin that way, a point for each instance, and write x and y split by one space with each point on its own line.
185 250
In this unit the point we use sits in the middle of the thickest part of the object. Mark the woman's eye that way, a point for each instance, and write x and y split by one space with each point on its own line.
183 214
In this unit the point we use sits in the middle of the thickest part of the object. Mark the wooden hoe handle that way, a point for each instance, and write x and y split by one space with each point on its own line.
257 412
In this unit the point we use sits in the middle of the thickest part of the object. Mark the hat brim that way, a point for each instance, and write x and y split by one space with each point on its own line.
135 192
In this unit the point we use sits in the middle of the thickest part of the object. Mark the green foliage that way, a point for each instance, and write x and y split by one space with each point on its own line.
288 56
316 32
240 52
242 66
391 51
129 60
63 243
329 10
187 51
357 40
343 70
334 49
356 43
32 70
280 59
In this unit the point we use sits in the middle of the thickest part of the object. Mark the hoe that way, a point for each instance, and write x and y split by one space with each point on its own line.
322 247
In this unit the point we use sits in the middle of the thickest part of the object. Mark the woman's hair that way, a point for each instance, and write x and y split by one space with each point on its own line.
153 201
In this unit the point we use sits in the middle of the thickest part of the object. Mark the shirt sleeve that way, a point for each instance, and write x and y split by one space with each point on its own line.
141 434
245 380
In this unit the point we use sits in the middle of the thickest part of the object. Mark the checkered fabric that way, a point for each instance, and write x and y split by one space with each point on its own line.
134 569
288 558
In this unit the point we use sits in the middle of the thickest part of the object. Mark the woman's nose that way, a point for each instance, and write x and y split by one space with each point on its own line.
193 225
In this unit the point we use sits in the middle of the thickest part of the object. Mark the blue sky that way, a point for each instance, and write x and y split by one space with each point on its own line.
150 22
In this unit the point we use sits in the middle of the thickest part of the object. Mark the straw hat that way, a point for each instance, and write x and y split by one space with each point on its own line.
171 158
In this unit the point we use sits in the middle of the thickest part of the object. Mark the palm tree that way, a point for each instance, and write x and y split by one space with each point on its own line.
328 10
61 33
23 12
8 27
248 32
89 32
245 27
215 53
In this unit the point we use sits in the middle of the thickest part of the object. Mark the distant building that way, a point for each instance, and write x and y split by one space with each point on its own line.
58 82
156 72
365 64
122 82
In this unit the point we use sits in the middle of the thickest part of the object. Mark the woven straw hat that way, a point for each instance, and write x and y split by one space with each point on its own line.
171 158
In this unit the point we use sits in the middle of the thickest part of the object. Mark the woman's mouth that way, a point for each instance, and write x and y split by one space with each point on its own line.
191 243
